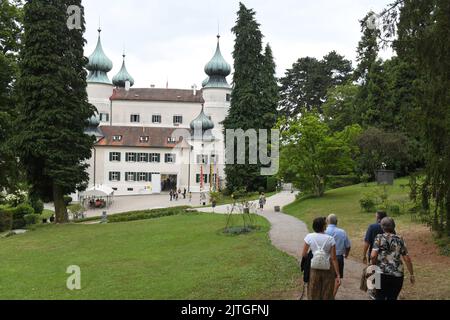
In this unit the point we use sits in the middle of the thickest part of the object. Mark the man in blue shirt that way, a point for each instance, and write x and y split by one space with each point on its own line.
343 244
372 232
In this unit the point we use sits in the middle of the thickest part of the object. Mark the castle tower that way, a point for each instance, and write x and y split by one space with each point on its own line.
100 88
217 97
123 76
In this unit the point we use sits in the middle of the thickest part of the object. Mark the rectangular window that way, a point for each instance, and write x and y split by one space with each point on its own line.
155 157
156 118
144 139
114 176
143 157
130 157
177 120
114 156
135 118
143 176
205 178
117 138
131 176
104 117
170 158
202 159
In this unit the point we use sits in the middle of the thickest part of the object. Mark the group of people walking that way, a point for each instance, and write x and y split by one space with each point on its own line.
175 195
326 249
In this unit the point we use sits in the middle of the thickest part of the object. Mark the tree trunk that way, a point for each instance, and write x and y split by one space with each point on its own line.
60 206
447 209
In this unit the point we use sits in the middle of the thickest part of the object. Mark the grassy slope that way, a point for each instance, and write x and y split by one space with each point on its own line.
432 270
180 257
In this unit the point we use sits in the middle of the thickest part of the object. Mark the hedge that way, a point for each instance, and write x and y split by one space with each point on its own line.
142 215
18 215
6 218
31 219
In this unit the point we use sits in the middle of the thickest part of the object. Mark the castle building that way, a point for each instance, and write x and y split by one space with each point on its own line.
152 140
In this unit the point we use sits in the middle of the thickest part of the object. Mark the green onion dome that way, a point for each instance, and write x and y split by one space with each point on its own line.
123 76
99 64
217 69
94 122
205 82
202 122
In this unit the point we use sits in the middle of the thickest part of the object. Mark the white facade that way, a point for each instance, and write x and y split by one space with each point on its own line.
132 161
185 171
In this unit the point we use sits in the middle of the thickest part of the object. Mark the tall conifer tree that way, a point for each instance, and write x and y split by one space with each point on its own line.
54 107
254 98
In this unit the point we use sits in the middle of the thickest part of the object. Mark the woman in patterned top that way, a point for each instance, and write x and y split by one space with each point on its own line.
388 249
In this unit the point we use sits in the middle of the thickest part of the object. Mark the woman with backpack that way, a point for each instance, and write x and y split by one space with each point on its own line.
324 274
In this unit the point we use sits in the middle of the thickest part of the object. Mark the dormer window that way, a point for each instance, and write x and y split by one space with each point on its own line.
117 138
172 140
144 139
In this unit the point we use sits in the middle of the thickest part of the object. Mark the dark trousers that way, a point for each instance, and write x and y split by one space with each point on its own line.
390 287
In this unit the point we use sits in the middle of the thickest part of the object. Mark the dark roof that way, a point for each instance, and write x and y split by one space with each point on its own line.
153 94
131 137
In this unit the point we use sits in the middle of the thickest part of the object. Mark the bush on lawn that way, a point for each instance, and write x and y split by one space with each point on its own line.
335 182
37 205
394 209
19 213
31 219
6 218
368 203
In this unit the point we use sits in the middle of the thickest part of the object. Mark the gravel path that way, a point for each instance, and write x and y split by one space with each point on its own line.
287 234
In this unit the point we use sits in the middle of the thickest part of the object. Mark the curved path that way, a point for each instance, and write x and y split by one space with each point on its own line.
287 234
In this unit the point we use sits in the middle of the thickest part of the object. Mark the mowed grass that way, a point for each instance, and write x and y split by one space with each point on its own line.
432 269
177 258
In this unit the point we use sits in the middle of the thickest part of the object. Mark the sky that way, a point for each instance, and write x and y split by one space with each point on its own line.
172 40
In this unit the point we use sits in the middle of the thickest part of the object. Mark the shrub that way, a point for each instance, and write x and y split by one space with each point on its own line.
368 203
6 218
31 219
143 215
19 213
37 205
335 182
394 209
67 200
365 178
272 184
76 210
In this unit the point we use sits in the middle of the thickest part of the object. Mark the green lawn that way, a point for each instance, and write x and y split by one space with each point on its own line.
433 270
178 257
